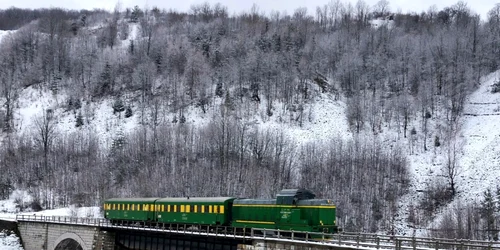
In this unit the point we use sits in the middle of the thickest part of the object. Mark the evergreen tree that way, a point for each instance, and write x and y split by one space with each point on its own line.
105 81
136 14
488 214
79 120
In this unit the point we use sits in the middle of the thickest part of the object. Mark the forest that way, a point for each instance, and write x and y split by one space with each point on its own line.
409 77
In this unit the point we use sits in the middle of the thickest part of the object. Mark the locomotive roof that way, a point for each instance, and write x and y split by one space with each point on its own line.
255 201
300 193
132 199
310 202
196 199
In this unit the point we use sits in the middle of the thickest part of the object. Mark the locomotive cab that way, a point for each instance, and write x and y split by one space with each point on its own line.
293 209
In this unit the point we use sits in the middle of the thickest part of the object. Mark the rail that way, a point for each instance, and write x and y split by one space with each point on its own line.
344 240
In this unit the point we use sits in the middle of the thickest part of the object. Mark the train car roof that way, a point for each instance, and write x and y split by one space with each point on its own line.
132 199
196 199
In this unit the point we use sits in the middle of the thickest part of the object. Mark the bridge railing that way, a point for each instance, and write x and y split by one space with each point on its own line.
61 219
346 239
406 242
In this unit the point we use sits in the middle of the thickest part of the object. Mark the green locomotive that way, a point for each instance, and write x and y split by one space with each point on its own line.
293 209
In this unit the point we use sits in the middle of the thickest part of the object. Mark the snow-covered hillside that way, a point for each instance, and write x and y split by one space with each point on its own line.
477 157
480 158
478 142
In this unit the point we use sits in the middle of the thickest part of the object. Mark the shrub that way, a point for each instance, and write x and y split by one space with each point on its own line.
437 143
495 88
118 106
413 131
128 112
36 205
436 196
79 120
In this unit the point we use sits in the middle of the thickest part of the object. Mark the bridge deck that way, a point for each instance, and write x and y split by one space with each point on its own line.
333 241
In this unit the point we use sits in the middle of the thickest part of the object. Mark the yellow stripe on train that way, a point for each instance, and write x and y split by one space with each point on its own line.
255 222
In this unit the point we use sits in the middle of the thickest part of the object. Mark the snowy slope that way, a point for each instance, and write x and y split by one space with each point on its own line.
480 158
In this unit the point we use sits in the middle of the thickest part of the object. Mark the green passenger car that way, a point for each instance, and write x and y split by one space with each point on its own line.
130 209
204 211
293 209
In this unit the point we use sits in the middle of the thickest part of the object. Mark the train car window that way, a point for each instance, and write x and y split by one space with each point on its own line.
215 209
202 209
163 208
128 207
175 208
182 208
188 208
133 207
210 209
195 208
221 209
145 207
168 208
114 206
151 207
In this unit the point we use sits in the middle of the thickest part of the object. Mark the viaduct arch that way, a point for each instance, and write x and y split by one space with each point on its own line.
71 240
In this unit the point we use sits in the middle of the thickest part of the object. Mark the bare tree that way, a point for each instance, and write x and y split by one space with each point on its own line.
45 133
452 168
381 8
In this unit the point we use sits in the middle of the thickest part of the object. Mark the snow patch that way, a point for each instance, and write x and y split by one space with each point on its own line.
4 33
9 241
377 23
